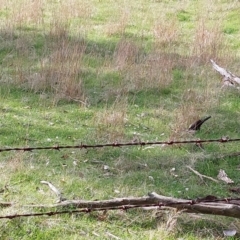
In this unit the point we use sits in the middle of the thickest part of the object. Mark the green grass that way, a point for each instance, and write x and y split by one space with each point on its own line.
142 74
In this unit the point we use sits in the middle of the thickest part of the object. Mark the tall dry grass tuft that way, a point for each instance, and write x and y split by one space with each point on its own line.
60 67
111 121
125 54
208 42
26 12
57 68
16 163
74 9
166 34
153 71
118 26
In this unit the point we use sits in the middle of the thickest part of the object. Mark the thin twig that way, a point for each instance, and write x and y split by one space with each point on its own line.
201 175
112 236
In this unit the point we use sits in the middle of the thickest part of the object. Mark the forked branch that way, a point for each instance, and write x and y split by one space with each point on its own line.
208 205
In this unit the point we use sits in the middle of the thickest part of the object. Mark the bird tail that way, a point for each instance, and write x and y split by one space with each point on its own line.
205 119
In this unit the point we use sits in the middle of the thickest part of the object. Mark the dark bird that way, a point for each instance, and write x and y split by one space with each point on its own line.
196 126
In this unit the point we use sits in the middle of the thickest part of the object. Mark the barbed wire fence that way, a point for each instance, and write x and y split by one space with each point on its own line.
119 145
226 206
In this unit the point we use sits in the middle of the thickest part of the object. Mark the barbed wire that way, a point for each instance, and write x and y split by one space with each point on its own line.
117 144
84 210
159 205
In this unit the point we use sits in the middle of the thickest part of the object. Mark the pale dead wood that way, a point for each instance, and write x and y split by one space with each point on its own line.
55 190
201 175
223 176
229 208
112 236
229 79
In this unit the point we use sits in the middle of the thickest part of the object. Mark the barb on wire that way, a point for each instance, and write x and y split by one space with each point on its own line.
207 205
84 210
116 144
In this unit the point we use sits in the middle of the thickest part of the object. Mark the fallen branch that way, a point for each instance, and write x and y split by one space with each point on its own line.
108 234
224 207
201 175
208 205
55 190
116 202
229 79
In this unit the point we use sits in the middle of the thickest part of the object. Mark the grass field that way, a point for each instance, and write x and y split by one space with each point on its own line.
107 71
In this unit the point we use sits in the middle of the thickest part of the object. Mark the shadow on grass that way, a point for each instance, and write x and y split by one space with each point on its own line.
102 70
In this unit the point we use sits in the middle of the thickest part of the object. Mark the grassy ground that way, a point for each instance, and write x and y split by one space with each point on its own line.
103 71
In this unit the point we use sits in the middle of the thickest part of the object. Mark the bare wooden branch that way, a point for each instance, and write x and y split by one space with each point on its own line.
212 205
116 202
229 79
201 175
207 205
55 190
229 208
112 236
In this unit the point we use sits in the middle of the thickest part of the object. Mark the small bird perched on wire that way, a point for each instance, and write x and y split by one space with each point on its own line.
197 125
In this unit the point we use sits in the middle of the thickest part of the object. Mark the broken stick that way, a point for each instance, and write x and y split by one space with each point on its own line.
55 190
201 175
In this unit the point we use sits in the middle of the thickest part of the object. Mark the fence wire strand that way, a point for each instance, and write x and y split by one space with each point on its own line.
117 144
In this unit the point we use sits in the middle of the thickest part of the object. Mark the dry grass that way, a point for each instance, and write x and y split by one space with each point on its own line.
166 33
194 106
16 164
125 54
151 70
59 66
59 69
26 12
74 9
111 121
118 26
208 42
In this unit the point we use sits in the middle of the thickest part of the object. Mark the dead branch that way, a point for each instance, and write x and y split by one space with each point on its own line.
201 175
230 208
108 234
55 190
207 205
229 79
116 202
